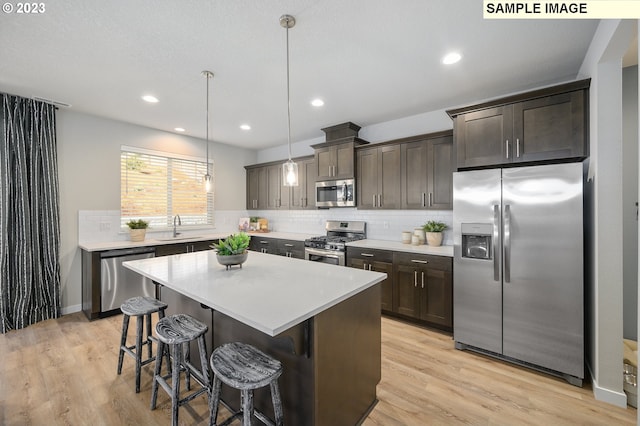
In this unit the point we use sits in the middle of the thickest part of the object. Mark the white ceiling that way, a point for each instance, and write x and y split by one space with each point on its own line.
370 61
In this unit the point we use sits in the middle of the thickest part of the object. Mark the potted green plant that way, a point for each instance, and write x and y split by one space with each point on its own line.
232 250
137 229
433 231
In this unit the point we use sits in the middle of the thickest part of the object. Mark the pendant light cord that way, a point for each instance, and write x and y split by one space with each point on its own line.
208 75
288 100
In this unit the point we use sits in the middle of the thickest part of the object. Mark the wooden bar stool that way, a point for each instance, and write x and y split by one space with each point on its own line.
246 368
140 307
175 332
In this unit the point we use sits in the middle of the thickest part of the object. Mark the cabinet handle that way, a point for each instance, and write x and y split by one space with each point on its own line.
369 266
374 200
366 254
288 245
423 200
264 242
364 266
517 147
422 279
379 200
506 144
419 261
431 199
415 278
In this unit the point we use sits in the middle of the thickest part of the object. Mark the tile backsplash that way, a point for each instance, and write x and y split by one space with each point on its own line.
104 225
381 224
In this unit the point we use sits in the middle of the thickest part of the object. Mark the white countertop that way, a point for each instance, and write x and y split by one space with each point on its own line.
270 293
149 242
398 246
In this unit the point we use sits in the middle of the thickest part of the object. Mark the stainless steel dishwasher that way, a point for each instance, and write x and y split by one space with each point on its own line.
119 283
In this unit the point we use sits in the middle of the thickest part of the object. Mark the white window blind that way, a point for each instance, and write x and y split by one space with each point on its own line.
155 187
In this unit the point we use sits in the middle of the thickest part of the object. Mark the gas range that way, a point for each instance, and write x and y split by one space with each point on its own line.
331 248
331 243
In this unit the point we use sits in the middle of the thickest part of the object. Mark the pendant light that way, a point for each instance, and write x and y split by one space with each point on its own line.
290 168
208 180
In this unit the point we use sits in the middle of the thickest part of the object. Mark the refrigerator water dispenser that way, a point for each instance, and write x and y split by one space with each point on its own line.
476 240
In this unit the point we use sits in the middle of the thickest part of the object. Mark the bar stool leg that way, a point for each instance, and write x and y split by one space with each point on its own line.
247 407
148 337
202 348
214 401
139 324
123 340
175 383
187 356
277 402
154 389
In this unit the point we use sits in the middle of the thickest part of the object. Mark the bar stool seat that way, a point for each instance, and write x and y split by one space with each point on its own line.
140 307
174 332
245 368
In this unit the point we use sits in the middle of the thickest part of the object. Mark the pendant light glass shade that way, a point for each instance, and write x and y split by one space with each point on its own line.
207 179
290 173
290 168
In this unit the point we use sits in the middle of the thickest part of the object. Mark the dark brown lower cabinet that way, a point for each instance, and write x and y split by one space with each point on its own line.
423 288
277 246
290 248
179 248
379 261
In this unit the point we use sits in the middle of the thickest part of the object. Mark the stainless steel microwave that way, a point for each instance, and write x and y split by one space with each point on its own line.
336 193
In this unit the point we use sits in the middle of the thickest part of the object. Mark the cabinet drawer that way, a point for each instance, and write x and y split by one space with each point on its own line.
291 248
262 244
371 254
432 262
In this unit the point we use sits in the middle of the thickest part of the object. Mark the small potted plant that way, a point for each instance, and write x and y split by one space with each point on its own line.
137 229
232 250
433 231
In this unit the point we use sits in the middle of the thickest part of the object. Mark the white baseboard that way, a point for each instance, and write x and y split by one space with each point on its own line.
607 395
70 309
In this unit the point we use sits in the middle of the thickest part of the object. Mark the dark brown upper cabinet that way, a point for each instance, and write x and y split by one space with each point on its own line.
427 164
335 158
265 189
303 196
378 182
546 125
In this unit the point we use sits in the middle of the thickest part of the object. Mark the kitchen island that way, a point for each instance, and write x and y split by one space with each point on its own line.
321 321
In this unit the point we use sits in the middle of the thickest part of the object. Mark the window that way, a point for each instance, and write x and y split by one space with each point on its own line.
155 186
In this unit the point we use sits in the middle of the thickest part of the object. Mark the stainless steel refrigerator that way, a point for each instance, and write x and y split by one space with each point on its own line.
518 266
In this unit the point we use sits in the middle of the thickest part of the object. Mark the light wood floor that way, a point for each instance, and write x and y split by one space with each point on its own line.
63 372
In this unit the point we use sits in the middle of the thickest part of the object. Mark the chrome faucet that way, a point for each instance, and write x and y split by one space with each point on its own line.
175 234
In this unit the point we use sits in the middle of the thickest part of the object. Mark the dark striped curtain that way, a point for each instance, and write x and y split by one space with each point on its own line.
29 221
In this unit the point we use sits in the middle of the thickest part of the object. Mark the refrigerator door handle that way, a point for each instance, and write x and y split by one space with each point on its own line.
507 243
496 237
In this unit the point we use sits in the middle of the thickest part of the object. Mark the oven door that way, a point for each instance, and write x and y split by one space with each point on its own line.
325 256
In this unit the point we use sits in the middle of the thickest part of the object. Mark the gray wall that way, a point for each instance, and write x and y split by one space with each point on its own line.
629 198
603 64
89 175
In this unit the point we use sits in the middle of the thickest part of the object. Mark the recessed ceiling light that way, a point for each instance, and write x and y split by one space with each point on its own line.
179 129
150 99
245 127
317 102
451 58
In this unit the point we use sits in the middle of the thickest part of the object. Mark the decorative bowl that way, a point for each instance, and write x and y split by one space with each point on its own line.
233 259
